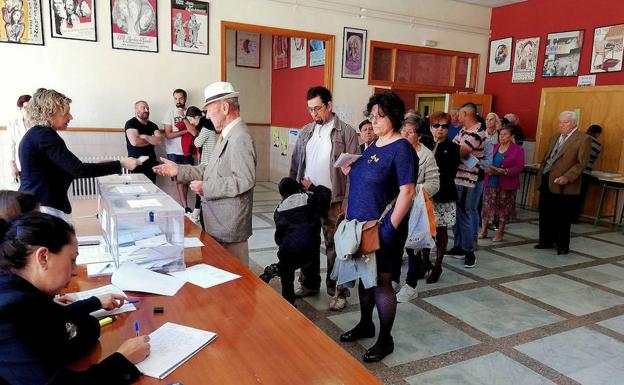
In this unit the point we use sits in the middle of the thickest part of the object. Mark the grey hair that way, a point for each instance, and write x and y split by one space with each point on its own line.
43 105
571 115
513 118
495 116
233 103
455 109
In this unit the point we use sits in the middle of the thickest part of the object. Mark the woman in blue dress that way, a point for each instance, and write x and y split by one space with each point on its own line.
387 170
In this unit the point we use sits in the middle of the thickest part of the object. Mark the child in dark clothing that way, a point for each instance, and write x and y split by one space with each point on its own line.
297 232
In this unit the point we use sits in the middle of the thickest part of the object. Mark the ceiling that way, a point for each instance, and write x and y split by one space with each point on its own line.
491 3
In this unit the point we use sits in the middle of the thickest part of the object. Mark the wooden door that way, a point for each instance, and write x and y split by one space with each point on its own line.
483 102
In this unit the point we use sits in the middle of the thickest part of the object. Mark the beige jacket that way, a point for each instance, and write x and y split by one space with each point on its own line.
569 161
229 178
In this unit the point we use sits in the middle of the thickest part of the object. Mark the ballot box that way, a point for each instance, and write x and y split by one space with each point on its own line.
146 228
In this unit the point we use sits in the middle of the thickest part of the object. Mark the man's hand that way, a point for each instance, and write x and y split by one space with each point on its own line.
197 186
306 183
167 168
562 180
14 171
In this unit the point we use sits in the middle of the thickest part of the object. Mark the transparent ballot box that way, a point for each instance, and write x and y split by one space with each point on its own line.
136 189
122 179
147 229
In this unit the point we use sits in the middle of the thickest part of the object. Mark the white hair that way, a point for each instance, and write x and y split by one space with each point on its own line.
570 115
513 118
495 116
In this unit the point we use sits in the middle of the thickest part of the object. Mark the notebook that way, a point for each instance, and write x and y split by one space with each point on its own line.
171 345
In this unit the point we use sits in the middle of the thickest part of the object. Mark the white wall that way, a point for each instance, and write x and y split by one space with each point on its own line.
104 82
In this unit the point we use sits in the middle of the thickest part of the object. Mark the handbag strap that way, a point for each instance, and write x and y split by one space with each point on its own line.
385 212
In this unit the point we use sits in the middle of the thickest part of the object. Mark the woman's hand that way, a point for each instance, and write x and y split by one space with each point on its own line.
490 171
63 300
130 163
111 301
135 349
346 169
167 168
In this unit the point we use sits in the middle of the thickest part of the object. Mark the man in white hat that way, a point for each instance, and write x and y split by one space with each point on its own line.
226 182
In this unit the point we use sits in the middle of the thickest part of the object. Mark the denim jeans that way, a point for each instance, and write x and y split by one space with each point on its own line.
467 222
478 193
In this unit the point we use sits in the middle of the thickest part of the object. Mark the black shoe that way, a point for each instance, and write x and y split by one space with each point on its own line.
358 332
379 351
455 251
187 210
470 260
544 246
435 274
563 250
270 272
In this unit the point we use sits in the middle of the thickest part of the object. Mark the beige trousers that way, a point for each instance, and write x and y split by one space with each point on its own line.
238 249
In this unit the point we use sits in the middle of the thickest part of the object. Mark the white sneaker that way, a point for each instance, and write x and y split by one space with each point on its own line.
406 294
396 287
195 215
337 303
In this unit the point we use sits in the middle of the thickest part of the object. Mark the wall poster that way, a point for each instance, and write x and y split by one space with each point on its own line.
298 52
21 22
189 26
247 49
607 49
73 19
500 55
353 53
317 53
525 60
563 54
280 52
134 25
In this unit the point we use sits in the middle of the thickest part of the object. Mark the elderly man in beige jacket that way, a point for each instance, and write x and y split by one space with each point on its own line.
226 182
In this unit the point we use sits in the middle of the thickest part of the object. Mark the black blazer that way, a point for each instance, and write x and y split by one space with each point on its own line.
39 337
448 159
48 167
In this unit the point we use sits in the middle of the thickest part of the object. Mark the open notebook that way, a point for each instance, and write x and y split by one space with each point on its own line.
170 346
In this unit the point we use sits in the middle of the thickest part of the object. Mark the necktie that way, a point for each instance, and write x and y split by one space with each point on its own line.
554 152
219 139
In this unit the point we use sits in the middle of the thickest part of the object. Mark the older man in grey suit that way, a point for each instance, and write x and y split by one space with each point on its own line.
226 182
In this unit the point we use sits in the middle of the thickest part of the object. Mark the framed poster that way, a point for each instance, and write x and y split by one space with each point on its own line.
73 19
21 22
247 49
298 52
563 54
134 25
353 53
525 60
280 52
189 26
317 53
500 55
607 49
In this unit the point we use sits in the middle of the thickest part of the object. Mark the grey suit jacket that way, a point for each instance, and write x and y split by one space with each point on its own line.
229 178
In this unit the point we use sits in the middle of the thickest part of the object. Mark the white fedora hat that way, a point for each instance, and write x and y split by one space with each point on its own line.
219 91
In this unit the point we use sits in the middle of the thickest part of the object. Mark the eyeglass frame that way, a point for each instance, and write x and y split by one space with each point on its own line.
316 109
372 117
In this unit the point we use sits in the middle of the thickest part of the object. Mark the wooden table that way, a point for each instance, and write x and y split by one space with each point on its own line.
261 338
615 184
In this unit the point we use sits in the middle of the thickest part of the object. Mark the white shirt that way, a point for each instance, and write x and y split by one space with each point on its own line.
562 140
173 146
318 155
16 130
226 130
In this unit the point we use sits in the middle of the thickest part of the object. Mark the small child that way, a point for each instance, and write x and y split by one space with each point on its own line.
297 232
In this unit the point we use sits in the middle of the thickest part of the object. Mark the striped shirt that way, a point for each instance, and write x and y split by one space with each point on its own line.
473 137
596 147
206 140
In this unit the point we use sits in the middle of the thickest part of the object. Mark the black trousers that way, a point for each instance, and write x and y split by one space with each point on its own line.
286 266
556 211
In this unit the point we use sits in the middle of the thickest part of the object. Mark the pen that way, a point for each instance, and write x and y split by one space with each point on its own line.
133 301
136 327
104 268
106 321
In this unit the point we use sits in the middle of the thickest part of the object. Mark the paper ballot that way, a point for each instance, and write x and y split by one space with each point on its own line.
170 346
108 289
132 277
205 276
345 159
192 242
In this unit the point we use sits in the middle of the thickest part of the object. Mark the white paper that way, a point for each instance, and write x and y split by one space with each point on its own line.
140 203
470 162
108 289
143 158
205 276
345 159
92 254
152 241
100 269
192 242
170 346
130 189
132 277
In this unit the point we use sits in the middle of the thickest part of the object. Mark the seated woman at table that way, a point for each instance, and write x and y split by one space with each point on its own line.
15 203
38 336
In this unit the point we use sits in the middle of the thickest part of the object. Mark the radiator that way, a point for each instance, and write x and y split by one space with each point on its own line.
86 188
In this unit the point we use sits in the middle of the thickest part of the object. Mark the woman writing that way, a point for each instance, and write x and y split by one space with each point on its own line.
501 183
39 337
48 167
385 174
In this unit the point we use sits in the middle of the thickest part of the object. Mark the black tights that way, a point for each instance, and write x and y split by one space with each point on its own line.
441 242
383 296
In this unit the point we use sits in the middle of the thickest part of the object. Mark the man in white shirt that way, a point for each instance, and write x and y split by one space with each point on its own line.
17 129
175 129
319 144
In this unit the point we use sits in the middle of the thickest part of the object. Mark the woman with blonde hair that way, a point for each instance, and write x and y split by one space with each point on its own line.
48 167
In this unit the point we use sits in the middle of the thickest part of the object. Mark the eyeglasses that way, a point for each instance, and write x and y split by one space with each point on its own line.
446 125
371 118
408 132
316 109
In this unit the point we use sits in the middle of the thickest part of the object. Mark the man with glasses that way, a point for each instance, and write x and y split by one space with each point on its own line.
319 144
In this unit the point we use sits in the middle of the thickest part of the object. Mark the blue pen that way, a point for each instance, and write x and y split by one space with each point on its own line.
136 327
134 301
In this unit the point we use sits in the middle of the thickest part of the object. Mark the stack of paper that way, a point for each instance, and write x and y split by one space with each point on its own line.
204 275
170 346
94 253
132 277
108 289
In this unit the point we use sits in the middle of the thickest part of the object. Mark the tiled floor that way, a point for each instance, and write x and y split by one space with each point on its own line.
521 316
